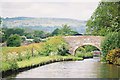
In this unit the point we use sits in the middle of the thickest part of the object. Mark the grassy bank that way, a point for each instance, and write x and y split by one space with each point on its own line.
34 62
16 59
43 60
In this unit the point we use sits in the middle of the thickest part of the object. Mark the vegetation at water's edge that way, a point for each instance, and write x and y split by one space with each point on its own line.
54 48
111 41
86 51
113 56
105 21
40 60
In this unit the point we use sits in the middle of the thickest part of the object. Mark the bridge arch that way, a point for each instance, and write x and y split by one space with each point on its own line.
76 41
85 45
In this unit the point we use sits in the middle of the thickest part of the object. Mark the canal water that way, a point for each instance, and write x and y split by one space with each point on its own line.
88 68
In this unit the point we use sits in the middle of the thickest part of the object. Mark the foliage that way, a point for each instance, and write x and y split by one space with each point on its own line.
37 40
55 46
11 31
14 40
34 61
29 35
65 30
85 51
18 31
44 59
52 46
21 53
23 38
7 32
87 48
114 56
30 55
84 55
105 19
111 41
62 51
40 34
56 32
9 65
0 20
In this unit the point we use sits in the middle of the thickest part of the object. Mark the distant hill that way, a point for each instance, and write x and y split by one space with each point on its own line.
45 24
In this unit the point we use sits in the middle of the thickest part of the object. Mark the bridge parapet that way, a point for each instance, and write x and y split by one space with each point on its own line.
77 41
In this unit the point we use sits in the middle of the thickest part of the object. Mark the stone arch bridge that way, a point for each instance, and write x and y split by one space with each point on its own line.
77 41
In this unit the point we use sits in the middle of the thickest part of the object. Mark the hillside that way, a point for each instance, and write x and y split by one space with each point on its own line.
45 24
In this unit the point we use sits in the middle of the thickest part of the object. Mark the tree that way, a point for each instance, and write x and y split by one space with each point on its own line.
105 19
56 32
111 41
10 31
40 34
14 41
65 30
29 35
19 31
0 20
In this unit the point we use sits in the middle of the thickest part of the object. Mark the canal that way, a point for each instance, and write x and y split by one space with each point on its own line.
88 68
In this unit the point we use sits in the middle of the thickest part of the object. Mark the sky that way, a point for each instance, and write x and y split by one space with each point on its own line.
74 9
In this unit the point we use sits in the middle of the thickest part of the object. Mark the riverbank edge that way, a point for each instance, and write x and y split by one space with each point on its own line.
21 69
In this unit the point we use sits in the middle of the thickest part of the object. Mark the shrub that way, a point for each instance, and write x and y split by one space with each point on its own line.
14 40
54 45
84 55
19 57
36 40
114 56
88 54
111 41
8 65
63 51
79 54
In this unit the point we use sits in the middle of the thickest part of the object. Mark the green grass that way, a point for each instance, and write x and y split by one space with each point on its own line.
38 60
87 54
34 61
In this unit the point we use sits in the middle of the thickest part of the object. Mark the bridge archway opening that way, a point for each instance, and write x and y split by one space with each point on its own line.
89 51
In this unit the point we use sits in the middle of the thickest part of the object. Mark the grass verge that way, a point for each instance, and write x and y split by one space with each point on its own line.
35 62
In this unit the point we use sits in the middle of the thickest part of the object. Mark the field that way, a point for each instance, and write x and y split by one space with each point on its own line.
54 49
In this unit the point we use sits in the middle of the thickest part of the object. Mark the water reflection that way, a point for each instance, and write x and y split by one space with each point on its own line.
88 68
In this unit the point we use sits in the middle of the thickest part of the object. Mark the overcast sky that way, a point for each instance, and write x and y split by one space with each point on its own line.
81 10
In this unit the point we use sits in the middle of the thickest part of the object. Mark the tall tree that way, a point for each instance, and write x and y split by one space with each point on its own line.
105 19
65 30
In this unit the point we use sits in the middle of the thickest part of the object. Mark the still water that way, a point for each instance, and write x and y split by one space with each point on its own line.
88 68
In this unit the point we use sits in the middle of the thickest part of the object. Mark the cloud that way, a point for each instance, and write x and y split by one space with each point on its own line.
50 0
75 10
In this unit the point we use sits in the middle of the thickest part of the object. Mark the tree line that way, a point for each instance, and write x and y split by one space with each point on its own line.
15 36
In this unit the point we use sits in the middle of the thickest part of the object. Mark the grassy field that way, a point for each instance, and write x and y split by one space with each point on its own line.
13 58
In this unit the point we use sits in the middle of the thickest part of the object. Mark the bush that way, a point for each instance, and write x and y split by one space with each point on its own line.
111 41
84 55
54 46
14 41
36 40
63 51
114 56
8 65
